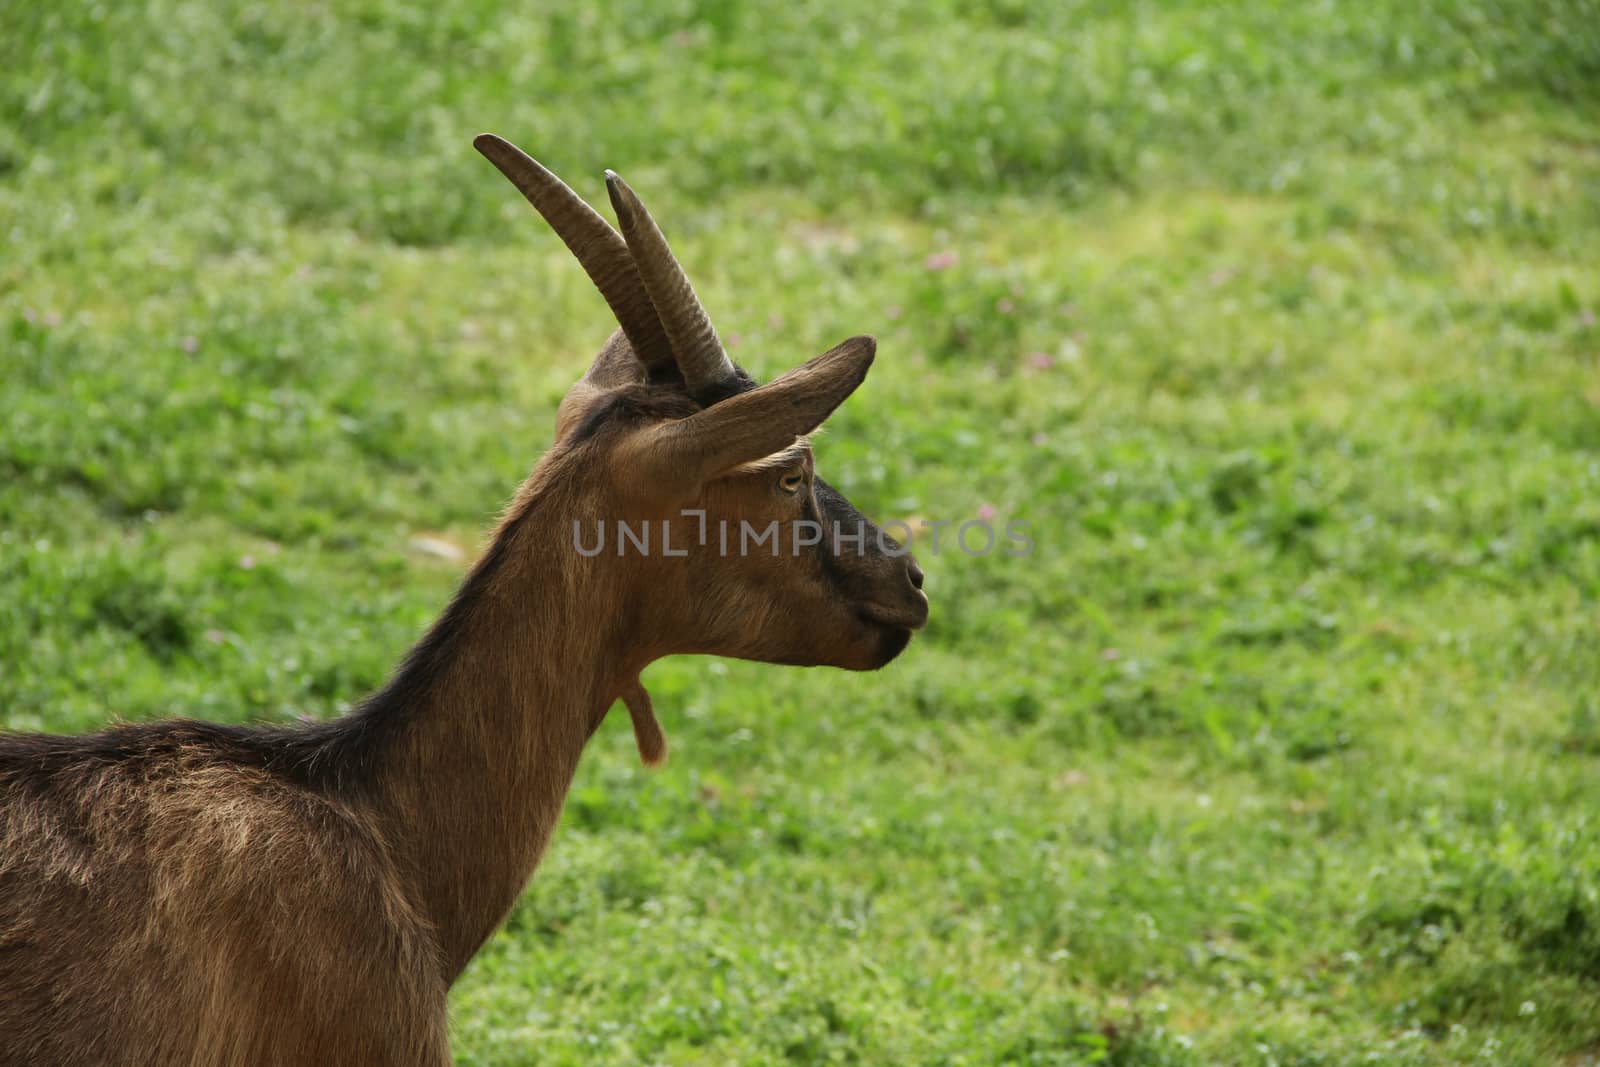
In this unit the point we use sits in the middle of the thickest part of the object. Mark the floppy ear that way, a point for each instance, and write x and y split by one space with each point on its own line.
675 458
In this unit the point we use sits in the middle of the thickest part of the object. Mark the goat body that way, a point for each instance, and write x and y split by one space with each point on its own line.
187 893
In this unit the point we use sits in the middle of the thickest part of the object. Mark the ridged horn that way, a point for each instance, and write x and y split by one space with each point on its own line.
600 250
705 366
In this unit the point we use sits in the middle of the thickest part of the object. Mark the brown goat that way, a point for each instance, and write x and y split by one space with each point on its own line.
184 892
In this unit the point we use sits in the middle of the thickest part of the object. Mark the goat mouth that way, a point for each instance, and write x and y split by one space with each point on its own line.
890 640
888 619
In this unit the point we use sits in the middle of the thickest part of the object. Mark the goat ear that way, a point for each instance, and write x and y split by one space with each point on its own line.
677 457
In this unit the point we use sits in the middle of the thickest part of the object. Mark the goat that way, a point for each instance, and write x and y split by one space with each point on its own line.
183 892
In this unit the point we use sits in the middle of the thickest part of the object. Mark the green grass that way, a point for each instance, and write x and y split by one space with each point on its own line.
1277 322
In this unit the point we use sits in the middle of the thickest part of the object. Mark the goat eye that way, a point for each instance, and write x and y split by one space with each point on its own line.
791 482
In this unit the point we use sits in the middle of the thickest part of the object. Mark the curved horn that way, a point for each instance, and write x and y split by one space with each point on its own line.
705 366
603 254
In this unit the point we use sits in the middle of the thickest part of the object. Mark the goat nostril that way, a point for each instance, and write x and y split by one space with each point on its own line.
915 572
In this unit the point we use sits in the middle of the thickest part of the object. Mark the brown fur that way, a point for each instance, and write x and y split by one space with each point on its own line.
190 893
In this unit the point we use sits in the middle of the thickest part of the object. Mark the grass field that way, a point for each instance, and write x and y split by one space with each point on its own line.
1277 322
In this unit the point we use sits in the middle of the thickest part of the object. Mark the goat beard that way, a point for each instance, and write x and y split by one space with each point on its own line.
646 729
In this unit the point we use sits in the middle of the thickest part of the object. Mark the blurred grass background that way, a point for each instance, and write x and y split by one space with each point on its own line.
1276 321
